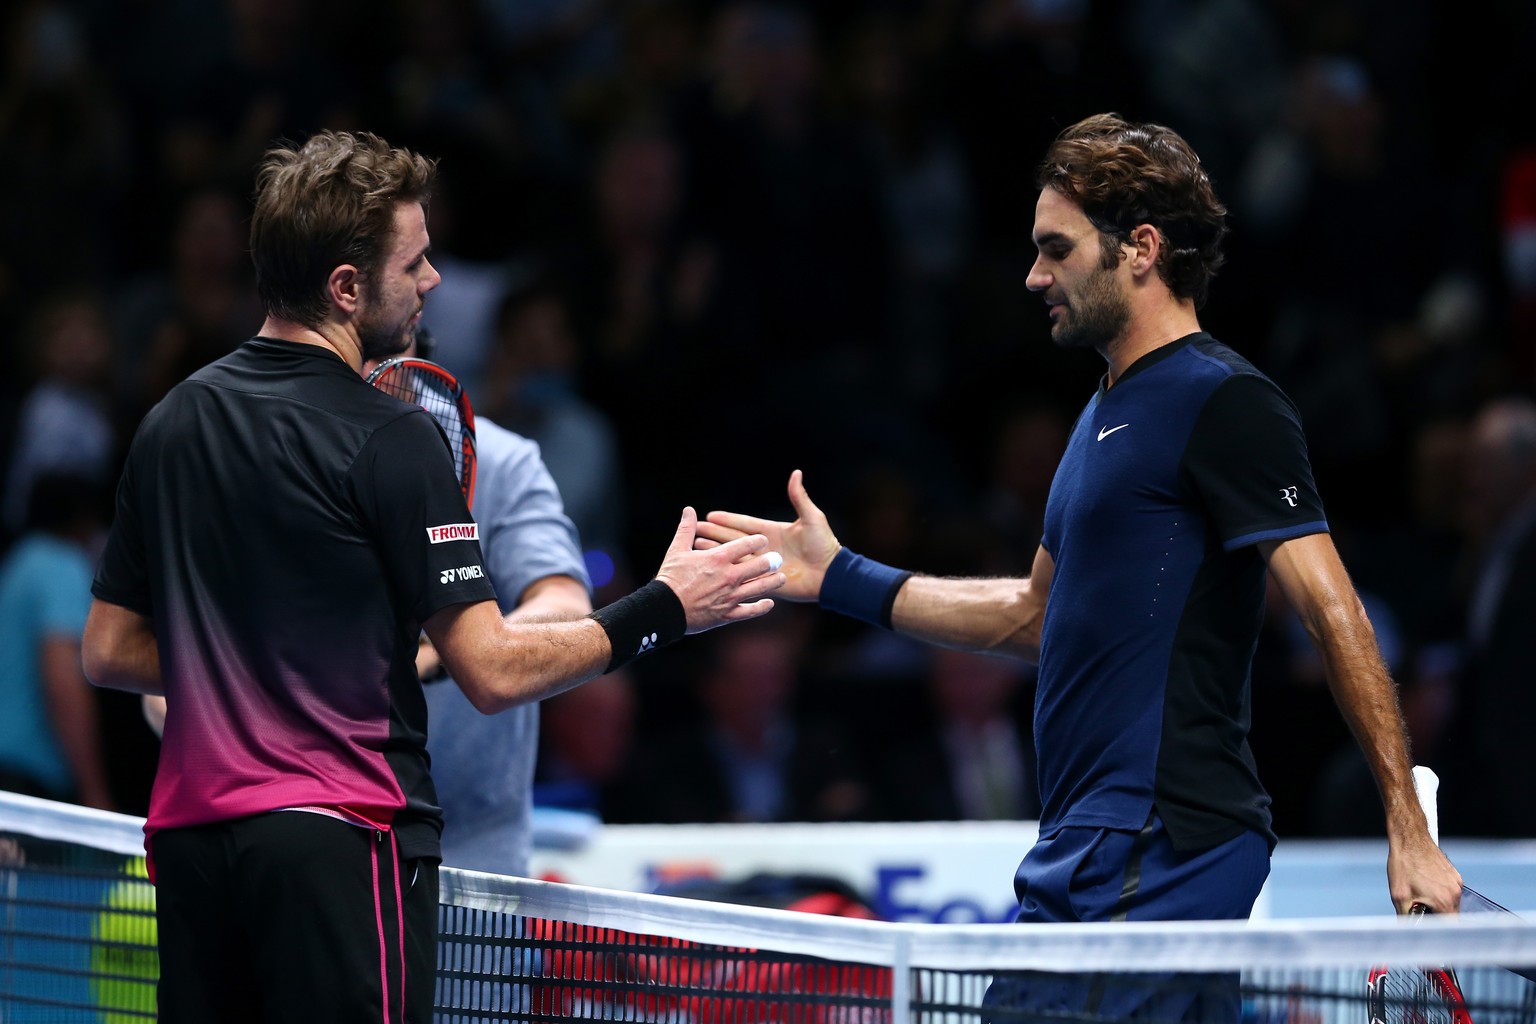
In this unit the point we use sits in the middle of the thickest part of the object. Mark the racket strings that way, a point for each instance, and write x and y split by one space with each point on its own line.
1407 993
1409 996
431 397
444 402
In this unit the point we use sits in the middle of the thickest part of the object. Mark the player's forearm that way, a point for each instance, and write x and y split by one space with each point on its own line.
997 616
522 662
500 664
1310 574
1367 697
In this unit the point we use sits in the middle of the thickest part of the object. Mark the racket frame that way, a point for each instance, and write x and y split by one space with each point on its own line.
466 458
1436 982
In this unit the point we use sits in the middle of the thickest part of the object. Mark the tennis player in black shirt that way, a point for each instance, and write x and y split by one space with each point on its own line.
283 533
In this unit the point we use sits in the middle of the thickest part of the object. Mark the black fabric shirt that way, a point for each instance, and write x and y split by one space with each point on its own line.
287 528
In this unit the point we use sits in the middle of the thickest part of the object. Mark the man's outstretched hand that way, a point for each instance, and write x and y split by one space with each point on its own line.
720 582
807 544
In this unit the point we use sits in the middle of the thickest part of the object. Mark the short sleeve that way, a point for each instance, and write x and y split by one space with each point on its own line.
122 576
409 496
1247 464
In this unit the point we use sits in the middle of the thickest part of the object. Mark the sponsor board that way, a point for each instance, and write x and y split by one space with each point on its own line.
949 872
962 872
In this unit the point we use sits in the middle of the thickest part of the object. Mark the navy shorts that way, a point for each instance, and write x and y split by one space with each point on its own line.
1100 874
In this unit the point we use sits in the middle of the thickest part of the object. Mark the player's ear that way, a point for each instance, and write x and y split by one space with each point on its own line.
345 288
1146 244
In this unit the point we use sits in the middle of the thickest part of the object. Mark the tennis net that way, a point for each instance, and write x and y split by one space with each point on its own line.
77 944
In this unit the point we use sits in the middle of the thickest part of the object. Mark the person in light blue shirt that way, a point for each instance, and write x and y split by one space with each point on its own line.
50 739
483 765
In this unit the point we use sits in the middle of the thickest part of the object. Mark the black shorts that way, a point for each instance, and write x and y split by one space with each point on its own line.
293 917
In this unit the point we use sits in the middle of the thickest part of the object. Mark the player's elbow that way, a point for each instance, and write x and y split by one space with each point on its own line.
483 695
100 659
1022 638
92 661
118 649
100 649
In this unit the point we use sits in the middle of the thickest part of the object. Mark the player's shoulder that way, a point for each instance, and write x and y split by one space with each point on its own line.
1220 359
269 378
1238 396
1223 371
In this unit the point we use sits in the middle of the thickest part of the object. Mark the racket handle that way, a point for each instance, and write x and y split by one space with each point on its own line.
1427 784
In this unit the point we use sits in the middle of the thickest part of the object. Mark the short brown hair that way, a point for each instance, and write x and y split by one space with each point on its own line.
1125 174
328 202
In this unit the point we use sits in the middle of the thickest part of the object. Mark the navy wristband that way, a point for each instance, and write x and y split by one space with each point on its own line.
651 617
862 588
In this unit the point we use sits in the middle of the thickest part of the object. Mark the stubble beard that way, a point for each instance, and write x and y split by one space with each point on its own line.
1096 316
385 341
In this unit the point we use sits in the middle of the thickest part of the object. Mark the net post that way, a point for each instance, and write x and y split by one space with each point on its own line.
901 980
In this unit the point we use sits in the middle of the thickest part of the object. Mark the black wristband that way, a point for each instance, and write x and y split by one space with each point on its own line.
651 617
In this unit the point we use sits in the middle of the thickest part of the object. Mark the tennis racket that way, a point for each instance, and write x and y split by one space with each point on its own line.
1429 995
1418 995
425 383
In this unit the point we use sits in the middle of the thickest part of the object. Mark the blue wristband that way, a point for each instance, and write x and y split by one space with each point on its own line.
861 588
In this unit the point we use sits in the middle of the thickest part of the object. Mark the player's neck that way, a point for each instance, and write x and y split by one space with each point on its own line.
328 335
1148 332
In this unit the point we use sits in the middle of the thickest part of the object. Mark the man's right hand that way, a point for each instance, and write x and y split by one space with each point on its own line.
720 582
807 544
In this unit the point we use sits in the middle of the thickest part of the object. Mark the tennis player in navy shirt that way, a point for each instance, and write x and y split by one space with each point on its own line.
1185 481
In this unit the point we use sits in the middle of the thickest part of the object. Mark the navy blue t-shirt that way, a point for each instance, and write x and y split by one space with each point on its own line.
1170 479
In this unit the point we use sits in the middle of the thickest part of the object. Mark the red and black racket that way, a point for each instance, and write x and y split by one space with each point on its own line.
1418 995
1415 995
424 383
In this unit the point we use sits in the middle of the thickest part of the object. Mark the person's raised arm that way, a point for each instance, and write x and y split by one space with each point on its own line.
1314 581
1000 616
119 650
499 663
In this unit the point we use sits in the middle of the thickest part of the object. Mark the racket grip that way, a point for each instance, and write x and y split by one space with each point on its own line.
1427 785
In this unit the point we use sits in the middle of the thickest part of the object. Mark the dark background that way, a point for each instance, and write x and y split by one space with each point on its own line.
691 246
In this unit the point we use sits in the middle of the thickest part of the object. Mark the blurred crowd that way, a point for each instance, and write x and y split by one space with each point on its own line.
688 246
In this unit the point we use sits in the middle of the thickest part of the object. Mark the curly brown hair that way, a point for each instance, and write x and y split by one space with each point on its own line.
1124 175
326 203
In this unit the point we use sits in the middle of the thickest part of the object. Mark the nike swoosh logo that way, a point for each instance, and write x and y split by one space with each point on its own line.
1106 431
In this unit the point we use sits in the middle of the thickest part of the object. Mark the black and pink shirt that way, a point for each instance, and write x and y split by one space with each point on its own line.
287 528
